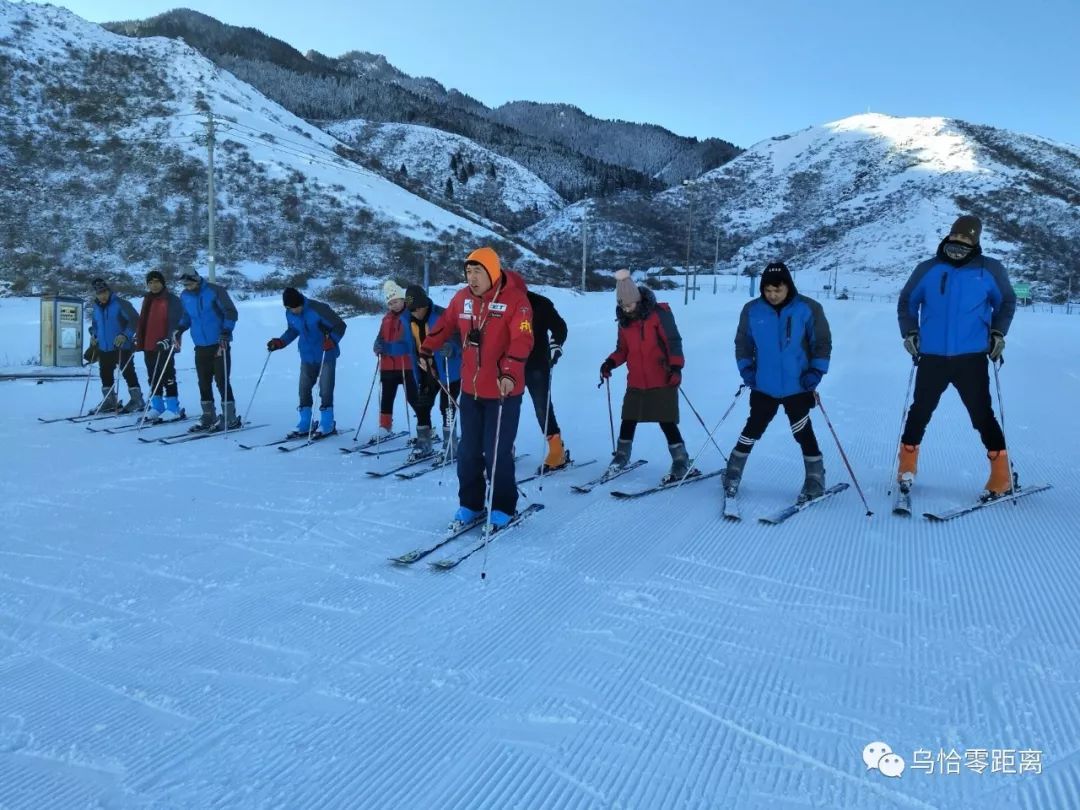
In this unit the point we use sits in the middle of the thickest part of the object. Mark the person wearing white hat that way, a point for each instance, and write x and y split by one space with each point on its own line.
395 360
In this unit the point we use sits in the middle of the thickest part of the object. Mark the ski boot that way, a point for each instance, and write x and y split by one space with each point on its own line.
499 520
680 465
207 420
814 483
327 425
135 403
385 431
908 466
303 424
172 410
621 457
733 473
463 517
557 456
422 446
157 409
108 402
1000 481
228 418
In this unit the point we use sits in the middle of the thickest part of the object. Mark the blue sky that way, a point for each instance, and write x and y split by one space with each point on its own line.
740 71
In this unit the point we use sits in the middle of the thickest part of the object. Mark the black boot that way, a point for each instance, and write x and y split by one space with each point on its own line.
206 422
733 474
814 485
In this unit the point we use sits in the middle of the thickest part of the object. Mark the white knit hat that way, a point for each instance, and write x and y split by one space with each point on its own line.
391 289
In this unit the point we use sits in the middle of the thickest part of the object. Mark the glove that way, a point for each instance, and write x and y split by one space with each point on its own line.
328 344
164 344
224 340
606 368
997 344
91 354
810 378
426 360
749 376
379 347
447 350
911 343
273 344
176 341
93 341
119 341
674 378
425 395
556 353
506 385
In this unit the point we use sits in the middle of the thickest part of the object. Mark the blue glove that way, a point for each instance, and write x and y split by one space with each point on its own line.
749 376
810 379
380 346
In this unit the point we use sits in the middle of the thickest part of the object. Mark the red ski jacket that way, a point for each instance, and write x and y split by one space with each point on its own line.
649 343
395 354
503 318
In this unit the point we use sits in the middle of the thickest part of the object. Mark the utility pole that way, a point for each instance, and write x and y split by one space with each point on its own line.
210 262
716 261
427 272
688 185
584 243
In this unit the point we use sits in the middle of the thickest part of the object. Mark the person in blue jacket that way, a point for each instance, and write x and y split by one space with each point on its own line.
112 335
417 321
319 330
211 316
782 349
954 313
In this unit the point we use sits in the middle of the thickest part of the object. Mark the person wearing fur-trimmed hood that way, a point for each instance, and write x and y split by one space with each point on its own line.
650 345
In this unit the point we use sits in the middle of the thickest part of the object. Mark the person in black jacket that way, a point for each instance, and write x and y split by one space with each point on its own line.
545 354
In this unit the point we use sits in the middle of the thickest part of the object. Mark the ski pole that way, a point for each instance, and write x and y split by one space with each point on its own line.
367 402
705 445
318 380
491 488
611 418
1001 407
156 381
247 411
843 455
547 412
116 379
723 455
86 388
225 389
903 415
405 386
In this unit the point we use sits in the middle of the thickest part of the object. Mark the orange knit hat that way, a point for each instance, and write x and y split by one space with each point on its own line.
488 259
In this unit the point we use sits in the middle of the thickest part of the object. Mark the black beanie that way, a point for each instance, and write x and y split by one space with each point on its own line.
968 226
416 298
155 275
776 273
99 285
291 297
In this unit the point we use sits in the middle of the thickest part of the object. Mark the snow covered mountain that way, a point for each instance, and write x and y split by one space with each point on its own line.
867 194
455 168
104 169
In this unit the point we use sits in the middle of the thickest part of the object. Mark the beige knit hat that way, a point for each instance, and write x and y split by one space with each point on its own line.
392 290
626 291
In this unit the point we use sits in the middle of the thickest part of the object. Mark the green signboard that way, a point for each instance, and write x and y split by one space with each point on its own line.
1023 291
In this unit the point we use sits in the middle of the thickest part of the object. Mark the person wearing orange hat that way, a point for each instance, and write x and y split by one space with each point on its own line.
493 316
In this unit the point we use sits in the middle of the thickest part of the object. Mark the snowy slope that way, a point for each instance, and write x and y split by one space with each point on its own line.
426 154
49 45
872 195
198 626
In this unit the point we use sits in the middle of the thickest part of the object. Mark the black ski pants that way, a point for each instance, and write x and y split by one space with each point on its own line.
108 361
538 381
166 372
629 427
425 401
210 364
390 381
762 410
969 374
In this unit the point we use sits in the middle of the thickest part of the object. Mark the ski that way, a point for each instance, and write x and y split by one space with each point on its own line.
183 438
902 501
438 465
452 562
86 417
957 511
365 447
779 517
403 466
373 451
315 439
731 507
589 486
149 423
409 557
570 465
661 487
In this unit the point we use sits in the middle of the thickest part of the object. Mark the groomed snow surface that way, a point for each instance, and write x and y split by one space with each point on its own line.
199 626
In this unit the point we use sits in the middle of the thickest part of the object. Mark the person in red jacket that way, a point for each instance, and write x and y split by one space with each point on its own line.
650 345
158 319
493 316
395 361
